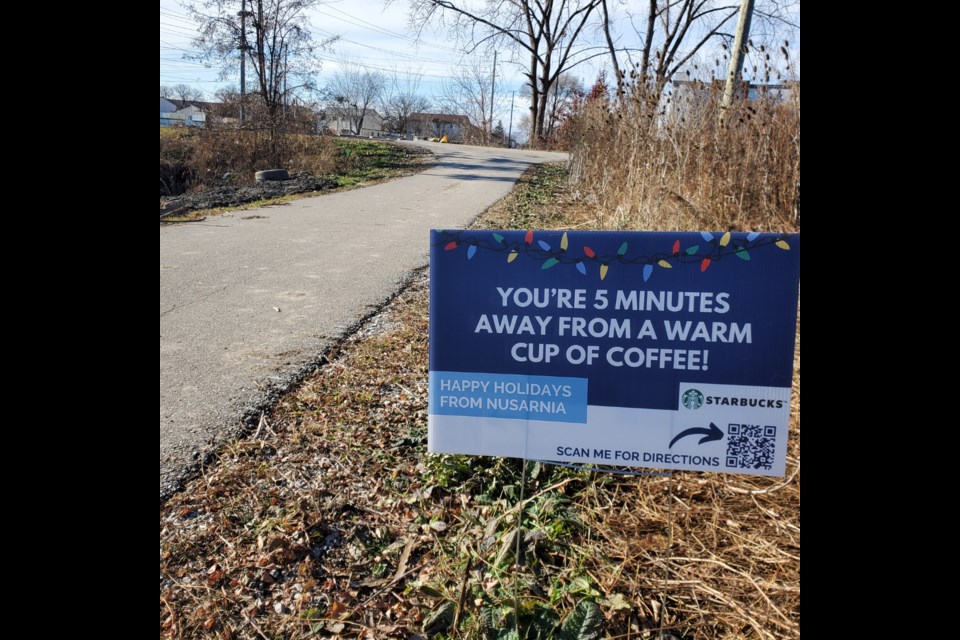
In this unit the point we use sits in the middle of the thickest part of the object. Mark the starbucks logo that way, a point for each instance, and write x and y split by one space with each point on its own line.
691 399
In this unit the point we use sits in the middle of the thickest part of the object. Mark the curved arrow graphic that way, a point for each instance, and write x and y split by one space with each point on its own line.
709 435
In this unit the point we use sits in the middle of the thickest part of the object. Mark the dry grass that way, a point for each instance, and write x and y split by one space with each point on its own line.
730 564
671 164
331 521
195 158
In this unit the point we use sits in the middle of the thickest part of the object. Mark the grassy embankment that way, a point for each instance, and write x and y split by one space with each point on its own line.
197 159
331 520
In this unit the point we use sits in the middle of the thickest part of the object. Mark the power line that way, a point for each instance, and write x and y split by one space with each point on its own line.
176 16
176 13
386 31
178 30
430 68
186 62
370 67
183 79
170 45
391 52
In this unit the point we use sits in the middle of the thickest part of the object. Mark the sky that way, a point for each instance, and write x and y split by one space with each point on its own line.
370 34
377 37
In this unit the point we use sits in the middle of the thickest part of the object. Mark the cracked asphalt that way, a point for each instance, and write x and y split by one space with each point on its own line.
250 300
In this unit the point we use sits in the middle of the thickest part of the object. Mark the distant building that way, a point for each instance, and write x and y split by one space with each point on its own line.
690 97
178 112
776 93
342 121
437 125
226 115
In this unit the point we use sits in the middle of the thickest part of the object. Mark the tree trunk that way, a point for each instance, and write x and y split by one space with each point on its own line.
648 43
736 56
534 100
543 99
618 74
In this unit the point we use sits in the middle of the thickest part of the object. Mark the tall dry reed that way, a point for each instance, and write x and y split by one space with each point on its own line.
663 159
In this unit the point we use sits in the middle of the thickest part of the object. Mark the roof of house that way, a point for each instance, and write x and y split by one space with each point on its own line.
752 85
447 118
199 104
222 109
343 112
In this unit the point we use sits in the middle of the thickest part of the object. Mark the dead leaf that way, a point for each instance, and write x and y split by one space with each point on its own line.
336 609
615 602
402 562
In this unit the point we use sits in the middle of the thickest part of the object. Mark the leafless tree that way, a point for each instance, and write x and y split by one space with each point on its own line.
521 129
299 115
674 32
679 29
353 90
226 108
566 91
274 36
607 28
468 94
402 99
549 32
183 93
563 94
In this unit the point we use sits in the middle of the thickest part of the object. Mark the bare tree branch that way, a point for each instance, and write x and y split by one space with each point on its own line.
352 92
548 31
274 39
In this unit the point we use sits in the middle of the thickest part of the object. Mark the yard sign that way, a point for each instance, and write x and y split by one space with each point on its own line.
664 350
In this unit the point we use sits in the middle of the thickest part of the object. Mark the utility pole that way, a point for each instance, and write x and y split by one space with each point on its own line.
493 85
243 59
513 96
736 56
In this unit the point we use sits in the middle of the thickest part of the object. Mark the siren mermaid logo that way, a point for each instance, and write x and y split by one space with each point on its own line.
692 399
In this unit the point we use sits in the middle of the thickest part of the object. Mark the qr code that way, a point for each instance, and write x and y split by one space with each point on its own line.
751 446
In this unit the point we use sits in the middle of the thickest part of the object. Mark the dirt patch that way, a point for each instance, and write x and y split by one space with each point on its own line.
236 195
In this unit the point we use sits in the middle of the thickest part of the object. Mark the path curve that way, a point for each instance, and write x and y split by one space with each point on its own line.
249 299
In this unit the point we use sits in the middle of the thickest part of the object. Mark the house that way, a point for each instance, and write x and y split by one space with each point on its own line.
196 113
437 125
775 93
179 112
689 98
167 109
342 121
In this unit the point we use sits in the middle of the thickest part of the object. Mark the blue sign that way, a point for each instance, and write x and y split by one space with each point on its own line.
666 350
509 396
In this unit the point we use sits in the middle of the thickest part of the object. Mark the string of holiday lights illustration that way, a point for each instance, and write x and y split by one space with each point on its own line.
723 245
